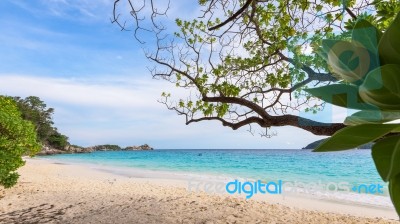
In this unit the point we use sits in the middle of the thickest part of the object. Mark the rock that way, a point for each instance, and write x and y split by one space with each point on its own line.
77 149
46 150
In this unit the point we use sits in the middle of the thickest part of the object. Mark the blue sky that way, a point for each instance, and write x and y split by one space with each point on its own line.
68 53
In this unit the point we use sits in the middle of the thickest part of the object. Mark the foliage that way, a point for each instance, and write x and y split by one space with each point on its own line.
386 12
377 87
248 62
35 110
17 138
58 140
252 67
107 146
113 147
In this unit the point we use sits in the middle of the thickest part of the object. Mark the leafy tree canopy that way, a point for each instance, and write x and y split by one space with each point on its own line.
248 62
17 138
35 110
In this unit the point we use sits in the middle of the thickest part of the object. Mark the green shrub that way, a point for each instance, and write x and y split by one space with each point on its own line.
17 138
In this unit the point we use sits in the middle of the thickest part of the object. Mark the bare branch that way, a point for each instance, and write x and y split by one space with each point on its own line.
350 13
234 16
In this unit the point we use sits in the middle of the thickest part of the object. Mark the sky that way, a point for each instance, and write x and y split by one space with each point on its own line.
95 76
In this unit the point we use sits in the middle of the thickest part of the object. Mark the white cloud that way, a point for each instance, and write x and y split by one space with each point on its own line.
79 93
126 112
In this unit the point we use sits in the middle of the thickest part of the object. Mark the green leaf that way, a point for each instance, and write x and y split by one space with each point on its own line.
354 136
367 34
341 95
382 87
371 117
394 190
389 45
386 155
17 138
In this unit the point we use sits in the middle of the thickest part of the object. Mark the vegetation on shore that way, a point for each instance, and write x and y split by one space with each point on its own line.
107 146
33 109
18 137
27 128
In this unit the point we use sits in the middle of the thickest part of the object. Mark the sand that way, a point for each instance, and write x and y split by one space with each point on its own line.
50 192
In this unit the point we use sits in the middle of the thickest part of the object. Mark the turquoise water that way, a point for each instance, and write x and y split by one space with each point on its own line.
354 166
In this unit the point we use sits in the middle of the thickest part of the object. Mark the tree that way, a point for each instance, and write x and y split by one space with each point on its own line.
17 138
57 140
35 110
252 66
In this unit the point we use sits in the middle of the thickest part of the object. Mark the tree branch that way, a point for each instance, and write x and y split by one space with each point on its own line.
317 128
240 101
234 16
350 13
232 125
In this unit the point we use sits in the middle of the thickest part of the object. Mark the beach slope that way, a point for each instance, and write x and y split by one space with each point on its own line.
51 192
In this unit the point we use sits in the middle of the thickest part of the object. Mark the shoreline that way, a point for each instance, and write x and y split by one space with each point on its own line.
183 177
78 190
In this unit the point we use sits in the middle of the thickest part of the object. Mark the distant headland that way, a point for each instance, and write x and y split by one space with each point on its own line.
314 145
69 149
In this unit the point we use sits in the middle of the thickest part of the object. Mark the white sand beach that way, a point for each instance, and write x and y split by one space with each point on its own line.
50 192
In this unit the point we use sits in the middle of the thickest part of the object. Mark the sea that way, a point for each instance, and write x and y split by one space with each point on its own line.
321 175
